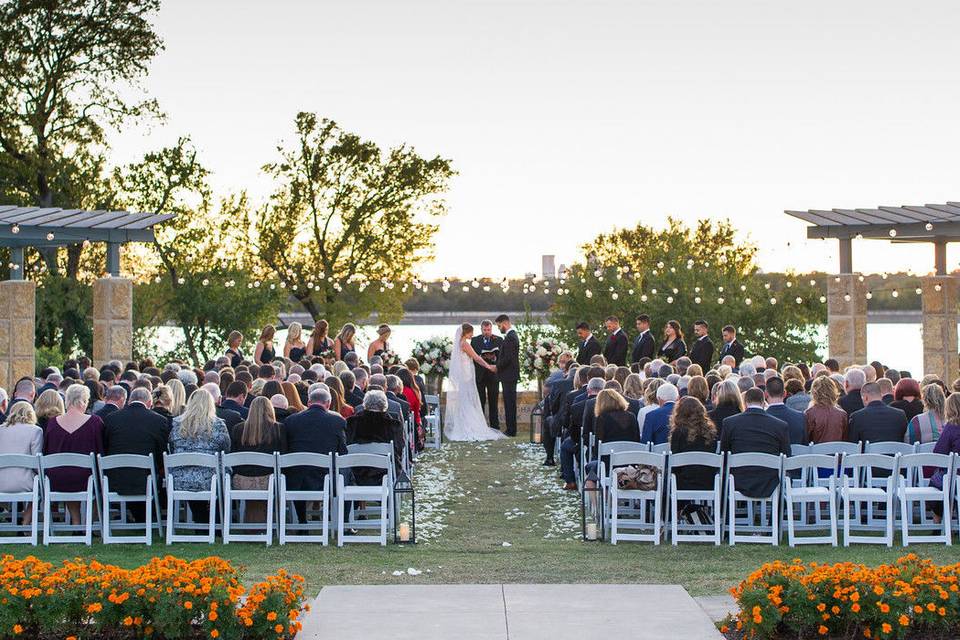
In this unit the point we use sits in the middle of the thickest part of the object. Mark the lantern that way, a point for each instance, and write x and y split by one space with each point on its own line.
536 423
591 512
404 511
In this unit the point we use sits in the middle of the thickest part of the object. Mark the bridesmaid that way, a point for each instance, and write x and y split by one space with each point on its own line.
673 345
344 342
319 341
265 353
293 347
233 348
379 345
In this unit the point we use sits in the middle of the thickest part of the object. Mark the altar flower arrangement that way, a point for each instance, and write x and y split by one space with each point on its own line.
434 355
540 356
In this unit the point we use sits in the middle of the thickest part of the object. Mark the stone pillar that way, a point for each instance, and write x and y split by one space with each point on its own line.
939 302
112 320
847 319
18 308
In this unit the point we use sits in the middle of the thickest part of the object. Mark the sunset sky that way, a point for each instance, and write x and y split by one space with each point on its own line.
567 118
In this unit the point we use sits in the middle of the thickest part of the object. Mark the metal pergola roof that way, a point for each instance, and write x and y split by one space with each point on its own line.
926 223
33 226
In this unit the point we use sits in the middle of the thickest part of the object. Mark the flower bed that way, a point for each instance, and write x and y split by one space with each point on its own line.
911 598
167 598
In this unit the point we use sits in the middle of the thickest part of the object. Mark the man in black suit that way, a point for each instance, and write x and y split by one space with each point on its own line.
314 430
508 371
589 346
755 430
876 422
113 400
852 400
796 423
138 430
236 398
487 347
644 346
551 409
701 352
230 417
615 351
731 347
395 393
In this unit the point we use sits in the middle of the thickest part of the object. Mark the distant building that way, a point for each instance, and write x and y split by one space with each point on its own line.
549 267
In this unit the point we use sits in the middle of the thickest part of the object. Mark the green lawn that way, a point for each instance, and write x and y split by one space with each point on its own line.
483 483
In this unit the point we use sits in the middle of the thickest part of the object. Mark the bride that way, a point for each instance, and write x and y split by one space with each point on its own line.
464 419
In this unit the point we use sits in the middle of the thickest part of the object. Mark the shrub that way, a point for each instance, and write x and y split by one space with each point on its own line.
911 597
166 598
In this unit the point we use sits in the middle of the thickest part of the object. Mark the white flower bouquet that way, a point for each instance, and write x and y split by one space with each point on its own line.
540 357
434 354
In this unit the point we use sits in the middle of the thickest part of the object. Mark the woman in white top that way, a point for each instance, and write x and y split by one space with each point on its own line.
20 434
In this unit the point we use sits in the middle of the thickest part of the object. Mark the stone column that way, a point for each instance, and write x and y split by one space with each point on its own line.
847 319
112 320
18 308
939 302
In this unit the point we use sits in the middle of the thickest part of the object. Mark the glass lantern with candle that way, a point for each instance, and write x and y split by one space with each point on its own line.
404 511
591 512
536 423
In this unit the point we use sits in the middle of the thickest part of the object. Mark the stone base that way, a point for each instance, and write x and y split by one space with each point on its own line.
18 304
939 301
112 320
847 319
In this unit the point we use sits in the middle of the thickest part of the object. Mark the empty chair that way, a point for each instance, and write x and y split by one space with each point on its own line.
432 424
856 491
27 470
372 476
87 499
756 532
201 502
642 519
811 492
912 466
348 495
799 449
249 524
888 448
300 482
698 498
143 505
831 448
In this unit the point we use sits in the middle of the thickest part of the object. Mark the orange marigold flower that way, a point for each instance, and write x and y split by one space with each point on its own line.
128 621
886 627
942 611
212 616
96 607
278 628
878 590
823 630
17 629
884 607
855 607
931 607
904 621
273 615
188 605
214 634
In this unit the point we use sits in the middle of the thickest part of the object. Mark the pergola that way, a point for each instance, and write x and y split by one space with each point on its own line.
937 224
22 227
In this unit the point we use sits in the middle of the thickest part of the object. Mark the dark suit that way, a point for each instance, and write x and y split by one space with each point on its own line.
232 405
755 430
796 422
487 384
551 406
615 351
232 417
137 430
588 348
375 426
877 422
401 402
701 353
314 430
851 402
508 371
734 349
644 347
355 397
105 411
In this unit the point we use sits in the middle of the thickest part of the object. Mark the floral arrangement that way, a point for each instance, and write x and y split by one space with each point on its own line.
434 355
390 358
540 356
167 597
911 597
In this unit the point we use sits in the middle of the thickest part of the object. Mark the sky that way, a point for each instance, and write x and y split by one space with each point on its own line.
566 119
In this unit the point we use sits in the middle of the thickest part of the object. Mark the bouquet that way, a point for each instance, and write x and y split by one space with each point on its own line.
540 357
434 354
390 359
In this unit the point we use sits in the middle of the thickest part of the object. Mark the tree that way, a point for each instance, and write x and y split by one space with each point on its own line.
201 281
687 274
347 220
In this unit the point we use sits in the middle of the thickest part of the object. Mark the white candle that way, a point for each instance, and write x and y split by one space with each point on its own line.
536 436
404 532
591 531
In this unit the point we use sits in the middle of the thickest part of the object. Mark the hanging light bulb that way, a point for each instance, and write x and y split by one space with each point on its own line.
823 299
893 233
773 301
50 236
748 302
719 300
669 299
846 297
697 300
643 298
895 293
869 295
799 300
928 226
919 291
15 229
937 287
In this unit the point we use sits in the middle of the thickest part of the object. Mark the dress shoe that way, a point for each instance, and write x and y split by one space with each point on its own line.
570 486
549 463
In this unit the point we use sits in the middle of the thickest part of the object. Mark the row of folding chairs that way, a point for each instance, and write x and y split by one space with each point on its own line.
225 506
432 423
875 491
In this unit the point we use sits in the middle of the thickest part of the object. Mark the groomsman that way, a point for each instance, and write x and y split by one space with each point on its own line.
508 370
487 347
731 347
701 352
644 346
589 346
615 351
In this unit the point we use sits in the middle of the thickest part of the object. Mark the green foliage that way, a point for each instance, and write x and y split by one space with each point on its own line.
686 274
64 303
48 357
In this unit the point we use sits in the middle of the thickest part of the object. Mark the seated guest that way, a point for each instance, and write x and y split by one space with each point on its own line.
697 388
774 393
260 433
229 416
727 402
49 405
613 420
947 443
198 430
294 403
236 398
876 422
375 424
395 393
337 402
96 395
114 399
411 393
649 399
24 391
656 424
20 434
907 398
757 431
797 397
138 430
886 389
852 399
927 426
281 408
573 435
162 401
692 430
824 421
352 392
73 432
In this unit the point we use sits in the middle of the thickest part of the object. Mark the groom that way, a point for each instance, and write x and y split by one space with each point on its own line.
508 370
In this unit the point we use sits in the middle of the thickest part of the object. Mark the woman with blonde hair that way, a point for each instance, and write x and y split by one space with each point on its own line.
633 387
198 430
339 367
649 398
825 421
697 388
926 426
319 342
379 346
162 402
265 352
234 341
293 347
178 396
947 443
48 405
727 402
260 433
345 343
20 434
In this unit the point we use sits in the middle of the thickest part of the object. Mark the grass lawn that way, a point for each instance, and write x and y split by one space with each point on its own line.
475 497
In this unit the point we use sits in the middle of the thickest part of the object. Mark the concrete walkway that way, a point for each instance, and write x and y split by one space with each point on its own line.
507 612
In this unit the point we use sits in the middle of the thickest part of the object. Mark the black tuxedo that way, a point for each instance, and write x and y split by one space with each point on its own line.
701 353
877 422
314 430
734 349
137 430
615 351
588 348
488 386
755 430
508 371
643 347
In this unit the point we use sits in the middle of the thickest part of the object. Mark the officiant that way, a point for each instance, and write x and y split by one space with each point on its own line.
487 346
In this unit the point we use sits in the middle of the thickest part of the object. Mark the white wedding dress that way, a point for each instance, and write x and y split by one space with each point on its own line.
463 419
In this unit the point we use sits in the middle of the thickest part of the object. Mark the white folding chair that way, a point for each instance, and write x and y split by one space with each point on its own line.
911 466
347 495
635 522
249 531
380 449
809 492
604 449
114 501
712 498
177 496
924 447
15 498
88 498
432 422
304 531
799 449
759 533
831 448
663 447
857 491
